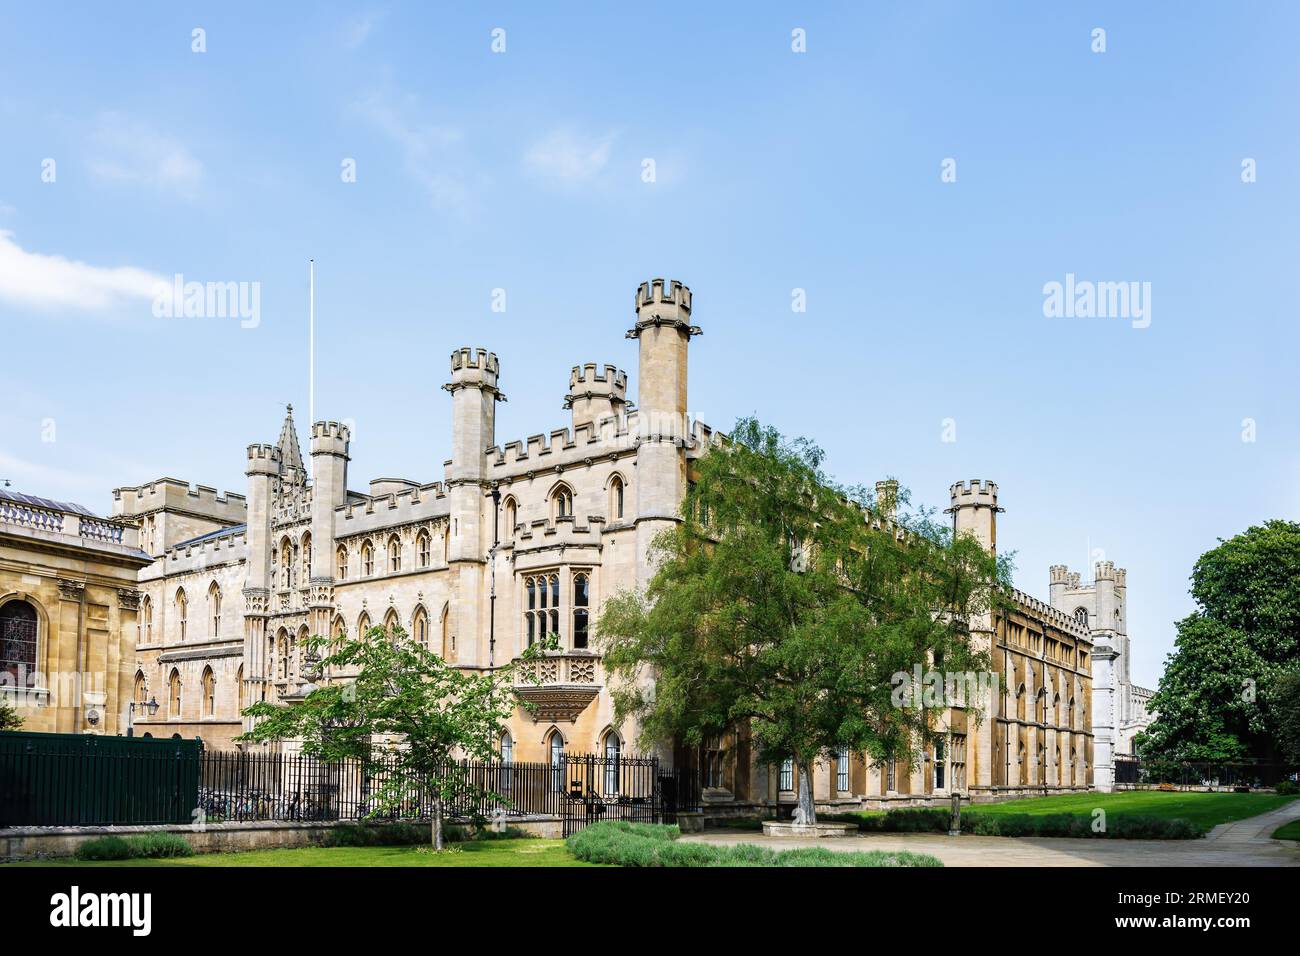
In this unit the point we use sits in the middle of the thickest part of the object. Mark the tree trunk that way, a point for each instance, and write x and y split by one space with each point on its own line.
437 823
806 792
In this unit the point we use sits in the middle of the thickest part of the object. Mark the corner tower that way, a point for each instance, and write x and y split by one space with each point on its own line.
474 395
663 331
975 510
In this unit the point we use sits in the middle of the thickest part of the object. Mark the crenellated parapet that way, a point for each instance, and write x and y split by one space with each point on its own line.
974 493
661 303
1033 607
176 495
1105 571
393 509
263 460
475 368
330 438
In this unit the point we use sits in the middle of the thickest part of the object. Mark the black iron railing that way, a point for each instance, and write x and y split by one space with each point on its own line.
1134 773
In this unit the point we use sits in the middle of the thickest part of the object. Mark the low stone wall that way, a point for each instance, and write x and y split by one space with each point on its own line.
26 843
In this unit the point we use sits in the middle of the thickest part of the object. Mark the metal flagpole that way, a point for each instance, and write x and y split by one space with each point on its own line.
311 344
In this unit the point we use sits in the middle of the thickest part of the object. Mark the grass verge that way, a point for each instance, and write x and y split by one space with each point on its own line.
1132 815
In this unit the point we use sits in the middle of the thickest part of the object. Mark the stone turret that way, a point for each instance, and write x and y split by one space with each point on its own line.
975 510
474 395
595 394
663 331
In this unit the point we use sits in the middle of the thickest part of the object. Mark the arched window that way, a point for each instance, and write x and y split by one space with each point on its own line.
1071 714
420 627
616 499
209 693
339 629
556 749
507 759
842 770
392 623
394 555
140 690
282 653
214 608
19 640
1020 696
448 641
613 751
581 597
306 559
786 782
341 563
174 693
446 545
287 570
561 502
363 627
423 549
512 518
1081 615
367 559
239 687
940 765
146 620
1043 696
182 611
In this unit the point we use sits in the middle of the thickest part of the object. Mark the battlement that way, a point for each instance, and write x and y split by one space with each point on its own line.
1073 580
590 380
1105 571
1121 578
1027 604
400 502
470 360
661 303
1058 573
263 460
330 438
661 292
176 495
974 492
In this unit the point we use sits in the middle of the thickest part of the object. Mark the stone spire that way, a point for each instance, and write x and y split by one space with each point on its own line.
290 455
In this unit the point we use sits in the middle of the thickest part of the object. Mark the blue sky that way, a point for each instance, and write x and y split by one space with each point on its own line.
775 171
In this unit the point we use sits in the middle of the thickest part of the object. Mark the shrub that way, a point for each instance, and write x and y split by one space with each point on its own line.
152 846
643 844
1287 788
104 848
385 834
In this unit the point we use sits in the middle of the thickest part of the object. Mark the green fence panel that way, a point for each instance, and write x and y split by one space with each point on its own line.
85 780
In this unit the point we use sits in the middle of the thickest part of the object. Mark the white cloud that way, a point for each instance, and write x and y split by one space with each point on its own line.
128 151
569 158
356 30
53 282
430 153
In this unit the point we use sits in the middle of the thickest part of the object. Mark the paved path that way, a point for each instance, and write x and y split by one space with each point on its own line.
1245 843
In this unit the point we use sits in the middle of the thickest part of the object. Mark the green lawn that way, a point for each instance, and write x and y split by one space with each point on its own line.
518 852
1290 831
1203 810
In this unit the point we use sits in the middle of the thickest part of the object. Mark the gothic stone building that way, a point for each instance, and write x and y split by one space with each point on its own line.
523 539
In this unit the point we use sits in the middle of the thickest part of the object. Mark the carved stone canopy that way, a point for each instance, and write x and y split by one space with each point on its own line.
557 702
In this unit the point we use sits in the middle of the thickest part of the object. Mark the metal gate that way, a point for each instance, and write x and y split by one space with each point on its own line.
608 788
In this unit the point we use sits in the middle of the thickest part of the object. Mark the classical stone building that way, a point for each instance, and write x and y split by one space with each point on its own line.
526 539
68 604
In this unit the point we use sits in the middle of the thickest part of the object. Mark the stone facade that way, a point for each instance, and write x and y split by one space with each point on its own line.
1122 706
68 606
520 540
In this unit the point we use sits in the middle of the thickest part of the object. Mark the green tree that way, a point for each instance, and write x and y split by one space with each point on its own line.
1288 717
776 605
1225 693
405 711
9 719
